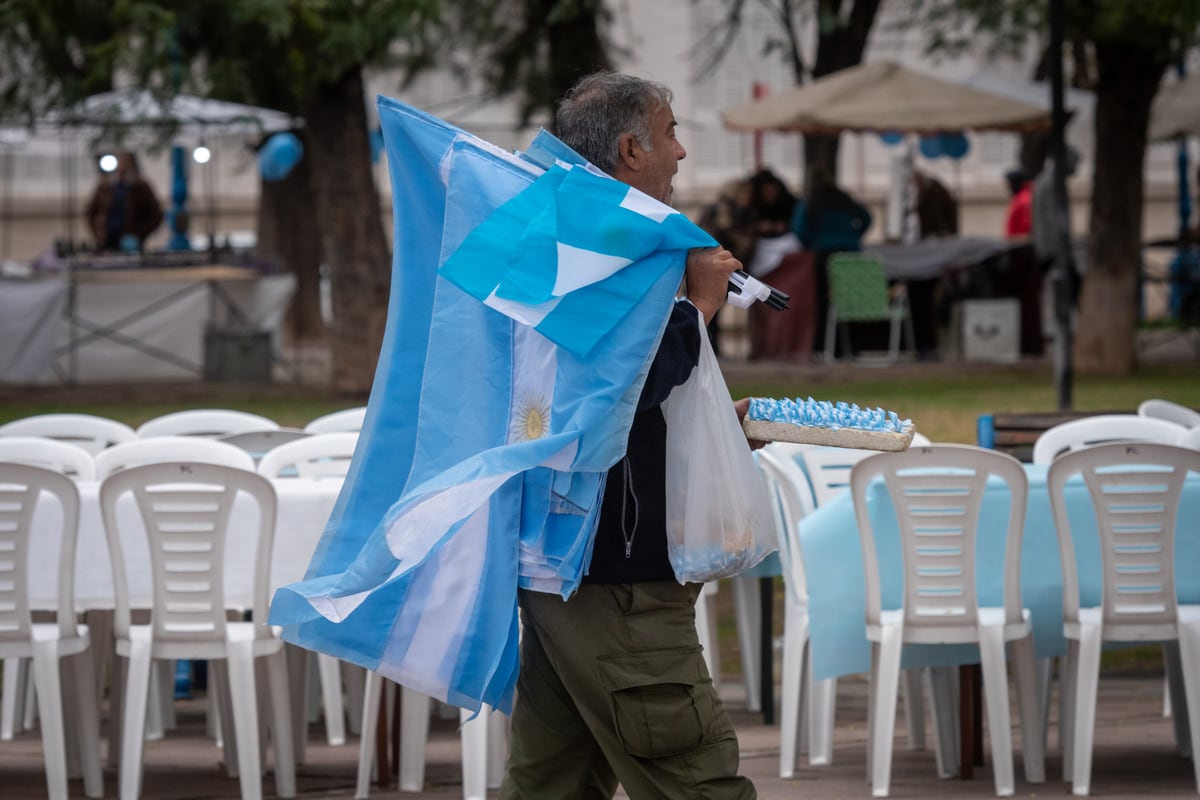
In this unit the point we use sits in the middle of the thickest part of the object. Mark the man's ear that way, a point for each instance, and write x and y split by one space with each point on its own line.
629 152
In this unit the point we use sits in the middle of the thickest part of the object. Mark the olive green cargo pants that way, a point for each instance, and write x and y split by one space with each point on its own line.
613 688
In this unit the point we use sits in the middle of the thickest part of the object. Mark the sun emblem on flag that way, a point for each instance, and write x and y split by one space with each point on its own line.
532 420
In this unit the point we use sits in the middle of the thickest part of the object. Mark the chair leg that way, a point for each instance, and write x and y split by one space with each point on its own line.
704 631
748 612
995 692
87 734
299 671
1189 651
939 682
372 688
1033 735
353 678
914 709
133 719
50 708
795 634
414 733
497 748
473 733
1174 688
822 704
1067 688
10 699
1045 679
1086 681
281 725
885 682
245 718
331 695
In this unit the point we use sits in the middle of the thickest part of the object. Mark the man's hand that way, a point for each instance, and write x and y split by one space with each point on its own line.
708 271
742 407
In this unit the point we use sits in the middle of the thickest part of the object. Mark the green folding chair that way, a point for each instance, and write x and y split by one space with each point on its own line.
858 292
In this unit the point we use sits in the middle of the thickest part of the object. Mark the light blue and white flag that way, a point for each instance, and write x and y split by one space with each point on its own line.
528 296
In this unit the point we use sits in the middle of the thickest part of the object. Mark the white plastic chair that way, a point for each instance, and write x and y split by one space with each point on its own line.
185 509
1088 431
1190 439
321 455
1135 490
259 443
828 472
484 743
76 463
348 420
88 431
793 501
161 449
49 644
210 422
64 458
1157 408
937 493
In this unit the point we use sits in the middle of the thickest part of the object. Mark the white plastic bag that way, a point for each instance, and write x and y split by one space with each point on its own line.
718 510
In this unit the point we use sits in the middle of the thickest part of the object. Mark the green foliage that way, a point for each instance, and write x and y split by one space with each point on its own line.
953 26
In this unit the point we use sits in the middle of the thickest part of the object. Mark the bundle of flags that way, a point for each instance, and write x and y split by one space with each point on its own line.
529 293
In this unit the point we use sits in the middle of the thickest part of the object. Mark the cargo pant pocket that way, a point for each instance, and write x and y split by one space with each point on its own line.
659 708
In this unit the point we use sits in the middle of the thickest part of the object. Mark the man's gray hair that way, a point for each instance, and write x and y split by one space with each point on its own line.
604 106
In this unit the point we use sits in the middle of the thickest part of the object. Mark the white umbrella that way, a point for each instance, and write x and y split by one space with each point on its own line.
1176 110
885 96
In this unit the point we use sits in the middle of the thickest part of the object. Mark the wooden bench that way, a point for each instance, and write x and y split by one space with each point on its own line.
1014 433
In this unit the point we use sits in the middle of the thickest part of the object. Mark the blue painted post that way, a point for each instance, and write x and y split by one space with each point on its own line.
985 431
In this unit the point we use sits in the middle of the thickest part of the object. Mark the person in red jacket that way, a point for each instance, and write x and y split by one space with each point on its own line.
1019 224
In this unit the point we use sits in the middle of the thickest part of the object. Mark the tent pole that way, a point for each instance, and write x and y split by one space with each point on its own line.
1060 275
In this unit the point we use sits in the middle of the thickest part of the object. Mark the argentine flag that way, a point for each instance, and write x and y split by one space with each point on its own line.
529 292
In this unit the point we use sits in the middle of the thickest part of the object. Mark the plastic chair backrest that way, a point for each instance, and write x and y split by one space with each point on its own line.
210 422
21 485
1190 438
259 443
185 509
90 432
1135 489
1089 431
829 468
937 492
322 455
349 420
61 457
160 449
857 287
1156 408
792 499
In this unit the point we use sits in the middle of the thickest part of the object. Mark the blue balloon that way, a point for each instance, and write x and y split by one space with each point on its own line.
930 146
954 145
279 155
891 137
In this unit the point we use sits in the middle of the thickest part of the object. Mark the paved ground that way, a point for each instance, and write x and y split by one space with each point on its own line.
1134 758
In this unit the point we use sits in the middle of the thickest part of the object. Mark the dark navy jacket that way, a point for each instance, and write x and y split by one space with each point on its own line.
636 486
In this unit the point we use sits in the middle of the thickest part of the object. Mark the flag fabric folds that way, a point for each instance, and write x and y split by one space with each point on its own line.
529 292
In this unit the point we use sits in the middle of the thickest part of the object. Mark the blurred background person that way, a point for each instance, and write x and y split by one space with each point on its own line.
827 220
123 210
1019 220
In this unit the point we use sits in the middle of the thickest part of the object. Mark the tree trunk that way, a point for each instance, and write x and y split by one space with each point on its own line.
1128 77
288 233
353 244
838 47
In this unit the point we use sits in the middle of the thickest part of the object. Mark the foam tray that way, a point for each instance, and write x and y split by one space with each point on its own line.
854 438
